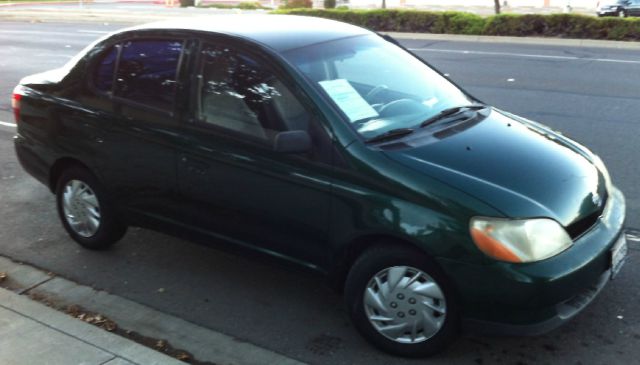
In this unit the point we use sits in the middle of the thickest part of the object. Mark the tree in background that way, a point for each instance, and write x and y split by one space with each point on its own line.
497 6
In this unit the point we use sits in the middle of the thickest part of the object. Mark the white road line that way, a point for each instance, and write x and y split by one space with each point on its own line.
7 124
93 31
53 55
525 55
41 32
132 7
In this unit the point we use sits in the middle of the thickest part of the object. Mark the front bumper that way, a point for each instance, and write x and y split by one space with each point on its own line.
536 297
564 312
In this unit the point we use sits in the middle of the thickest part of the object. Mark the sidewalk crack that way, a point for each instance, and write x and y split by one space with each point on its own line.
108 361
26 290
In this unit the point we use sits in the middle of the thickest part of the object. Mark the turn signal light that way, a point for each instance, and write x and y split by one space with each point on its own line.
18 92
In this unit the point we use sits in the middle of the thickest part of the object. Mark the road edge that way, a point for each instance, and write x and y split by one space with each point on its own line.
517 40
85 16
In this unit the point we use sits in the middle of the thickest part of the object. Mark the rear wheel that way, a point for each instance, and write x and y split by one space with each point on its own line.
401 301
86 214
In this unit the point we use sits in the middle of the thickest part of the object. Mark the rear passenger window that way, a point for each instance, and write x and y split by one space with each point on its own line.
103 79
147 72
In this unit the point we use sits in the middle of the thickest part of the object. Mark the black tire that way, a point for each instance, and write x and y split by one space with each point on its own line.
110 229
374 261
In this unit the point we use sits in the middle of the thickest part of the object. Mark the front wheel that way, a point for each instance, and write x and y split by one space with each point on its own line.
401 301
86 213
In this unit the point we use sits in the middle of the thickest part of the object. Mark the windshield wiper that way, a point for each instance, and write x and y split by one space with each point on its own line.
394 133
451 111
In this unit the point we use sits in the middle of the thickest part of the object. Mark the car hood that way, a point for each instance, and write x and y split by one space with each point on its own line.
519 167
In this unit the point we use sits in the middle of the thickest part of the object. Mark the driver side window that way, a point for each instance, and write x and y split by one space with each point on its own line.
239 94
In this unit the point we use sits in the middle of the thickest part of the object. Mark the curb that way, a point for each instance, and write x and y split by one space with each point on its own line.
518 40
102 343
204 344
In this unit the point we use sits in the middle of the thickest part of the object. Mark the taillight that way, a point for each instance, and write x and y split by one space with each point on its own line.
18 92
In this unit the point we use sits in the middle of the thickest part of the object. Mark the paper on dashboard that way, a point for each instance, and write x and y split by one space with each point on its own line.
348 99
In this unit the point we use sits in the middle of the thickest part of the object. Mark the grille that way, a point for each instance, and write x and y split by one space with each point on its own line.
578 228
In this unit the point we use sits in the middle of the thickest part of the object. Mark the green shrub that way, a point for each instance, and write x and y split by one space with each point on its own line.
519 25
514 25
627 29
401 20
461 23
572 26
563 25
342 7
242 5
217 6
329 4
297 4
250 5
185 3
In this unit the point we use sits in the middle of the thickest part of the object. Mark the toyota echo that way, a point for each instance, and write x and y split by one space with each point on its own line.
334 148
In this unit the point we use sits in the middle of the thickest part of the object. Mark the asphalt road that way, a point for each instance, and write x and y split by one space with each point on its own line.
590 94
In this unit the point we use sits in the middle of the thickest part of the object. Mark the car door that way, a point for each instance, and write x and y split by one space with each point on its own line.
132 93
233 182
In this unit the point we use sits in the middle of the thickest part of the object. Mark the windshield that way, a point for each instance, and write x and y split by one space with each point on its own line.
377 85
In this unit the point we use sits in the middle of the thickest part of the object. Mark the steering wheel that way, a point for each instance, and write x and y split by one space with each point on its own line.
400 107
374 92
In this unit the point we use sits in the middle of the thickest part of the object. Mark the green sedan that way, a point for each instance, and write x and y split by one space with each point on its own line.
334 148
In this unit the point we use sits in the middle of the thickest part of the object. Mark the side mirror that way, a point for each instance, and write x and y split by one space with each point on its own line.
292 142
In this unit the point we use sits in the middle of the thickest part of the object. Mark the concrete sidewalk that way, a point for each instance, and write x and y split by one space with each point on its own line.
34 334
31 333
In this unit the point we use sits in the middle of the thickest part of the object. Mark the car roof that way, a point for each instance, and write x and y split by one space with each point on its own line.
280 32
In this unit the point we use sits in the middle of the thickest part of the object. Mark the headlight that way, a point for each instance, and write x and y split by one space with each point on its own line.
523 240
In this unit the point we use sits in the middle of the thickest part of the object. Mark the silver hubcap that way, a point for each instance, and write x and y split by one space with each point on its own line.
405 304
81 208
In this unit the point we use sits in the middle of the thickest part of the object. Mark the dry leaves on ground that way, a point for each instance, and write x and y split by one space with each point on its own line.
92 318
